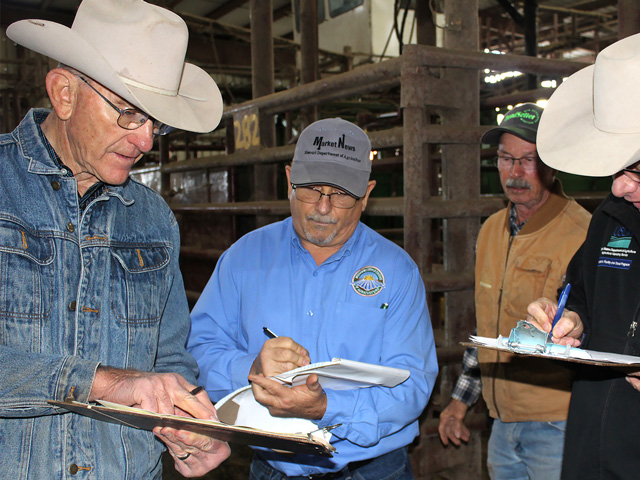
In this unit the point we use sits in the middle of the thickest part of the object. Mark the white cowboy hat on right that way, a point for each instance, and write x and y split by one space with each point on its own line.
591 124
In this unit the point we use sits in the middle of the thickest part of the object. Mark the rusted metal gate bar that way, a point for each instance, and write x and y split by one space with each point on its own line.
379 139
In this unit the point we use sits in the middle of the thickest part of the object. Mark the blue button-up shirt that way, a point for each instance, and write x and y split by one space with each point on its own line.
365 303
79 288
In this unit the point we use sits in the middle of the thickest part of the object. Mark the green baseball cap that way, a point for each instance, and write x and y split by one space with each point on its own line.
521 121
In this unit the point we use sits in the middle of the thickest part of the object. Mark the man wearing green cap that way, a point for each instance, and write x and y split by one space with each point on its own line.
521 250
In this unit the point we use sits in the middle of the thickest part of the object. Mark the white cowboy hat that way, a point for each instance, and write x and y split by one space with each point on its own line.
137 51
591 125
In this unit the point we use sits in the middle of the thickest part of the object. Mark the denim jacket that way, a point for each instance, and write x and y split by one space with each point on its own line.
80 288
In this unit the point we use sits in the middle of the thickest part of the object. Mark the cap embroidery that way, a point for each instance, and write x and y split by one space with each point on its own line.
529 116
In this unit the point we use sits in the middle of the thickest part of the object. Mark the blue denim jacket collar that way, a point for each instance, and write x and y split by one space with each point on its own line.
40 161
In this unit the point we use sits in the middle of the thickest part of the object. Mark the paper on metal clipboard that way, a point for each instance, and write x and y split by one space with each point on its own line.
525 339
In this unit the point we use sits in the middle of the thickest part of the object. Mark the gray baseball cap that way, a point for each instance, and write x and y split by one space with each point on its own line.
333 152
521 121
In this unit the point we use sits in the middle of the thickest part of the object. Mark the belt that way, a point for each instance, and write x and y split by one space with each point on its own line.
351 467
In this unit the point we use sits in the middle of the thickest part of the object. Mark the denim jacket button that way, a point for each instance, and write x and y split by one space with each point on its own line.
72 306
73 469
55 185
70 227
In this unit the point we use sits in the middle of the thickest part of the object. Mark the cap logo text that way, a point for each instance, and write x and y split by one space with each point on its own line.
320 142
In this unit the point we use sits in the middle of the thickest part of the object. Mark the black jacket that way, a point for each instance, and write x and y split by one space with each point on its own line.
603 428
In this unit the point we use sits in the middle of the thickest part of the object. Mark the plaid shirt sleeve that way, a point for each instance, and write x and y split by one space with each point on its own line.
469 385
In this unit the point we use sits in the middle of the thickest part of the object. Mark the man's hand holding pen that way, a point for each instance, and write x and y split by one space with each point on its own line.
278 355
567 330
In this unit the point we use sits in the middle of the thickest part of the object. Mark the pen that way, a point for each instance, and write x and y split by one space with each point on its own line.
562 301
196 390
269 333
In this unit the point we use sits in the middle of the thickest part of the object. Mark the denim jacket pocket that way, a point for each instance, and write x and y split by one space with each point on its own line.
25 284
139 282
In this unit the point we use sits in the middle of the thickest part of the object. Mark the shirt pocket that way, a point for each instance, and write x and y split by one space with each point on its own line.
358 331
26 285
139 283
530 276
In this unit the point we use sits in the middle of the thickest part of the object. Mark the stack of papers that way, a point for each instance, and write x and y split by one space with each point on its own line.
569 354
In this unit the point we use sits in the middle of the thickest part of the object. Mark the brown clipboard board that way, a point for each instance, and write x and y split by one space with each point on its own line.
144 420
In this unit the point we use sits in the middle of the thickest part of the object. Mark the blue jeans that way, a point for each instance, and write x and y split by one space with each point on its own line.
390 466
525 450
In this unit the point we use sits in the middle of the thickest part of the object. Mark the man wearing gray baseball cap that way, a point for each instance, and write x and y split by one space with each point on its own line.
92 304
328 286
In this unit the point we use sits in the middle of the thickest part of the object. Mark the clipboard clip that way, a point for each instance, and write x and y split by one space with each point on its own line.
324 430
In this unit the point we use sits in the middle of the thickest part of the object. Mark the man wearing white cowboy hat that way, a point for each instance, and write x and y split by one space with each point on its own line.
591 127
92 304
522 253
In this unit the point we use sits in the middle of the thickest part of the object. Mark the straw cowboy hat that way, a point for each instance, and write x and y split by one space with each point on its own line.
137 51
591 125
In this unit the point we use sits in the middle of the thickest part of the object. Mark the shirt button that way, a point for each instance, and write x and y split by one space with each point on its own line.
55 185
315 274
72 306
70 227
73 469
310 313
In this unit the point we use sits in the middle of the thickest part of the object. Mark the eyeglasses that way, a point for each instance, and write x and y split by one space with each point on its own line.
132 118
313 195
632 174
528 163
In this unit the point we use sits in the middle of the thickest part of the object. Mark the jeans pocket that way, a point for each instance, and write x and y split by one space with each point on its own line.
561 425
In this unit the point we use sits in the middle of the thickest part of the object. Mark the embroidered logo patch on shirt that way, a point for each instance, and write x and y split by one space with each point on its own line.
368 281
617 252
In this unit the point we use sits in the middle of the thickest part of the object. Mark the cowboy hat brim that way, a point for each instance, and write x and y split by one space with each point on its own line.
197 106
568 138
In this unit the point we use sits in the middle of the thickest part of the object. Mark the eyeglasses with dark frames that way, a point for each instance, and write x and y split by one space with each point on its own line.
506 162
313 195
632 173
132 118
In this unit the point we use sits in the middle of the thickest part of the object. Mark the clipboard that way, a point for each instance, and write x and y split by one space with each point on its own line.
146 420
575 355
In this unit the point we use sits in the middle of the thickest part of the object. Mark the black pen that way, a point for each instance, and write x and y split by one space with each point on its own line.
269 333
196 390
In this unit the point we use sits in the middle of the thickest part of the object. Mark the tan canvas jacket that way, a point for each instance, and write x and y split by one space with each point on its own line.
510 273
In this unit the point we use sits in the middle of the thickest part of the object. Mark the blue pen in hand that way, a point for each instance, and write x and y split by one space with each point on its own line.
561 303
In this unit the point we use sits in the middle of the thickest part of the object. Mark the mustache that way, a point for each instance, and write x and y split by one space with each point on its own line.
517 183
322 218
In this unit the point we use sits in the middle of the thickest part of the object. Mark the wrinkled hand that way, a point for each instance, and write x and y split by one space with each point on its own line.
166 393
452 425
303 401
203 453
279 355
156 392
568 330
